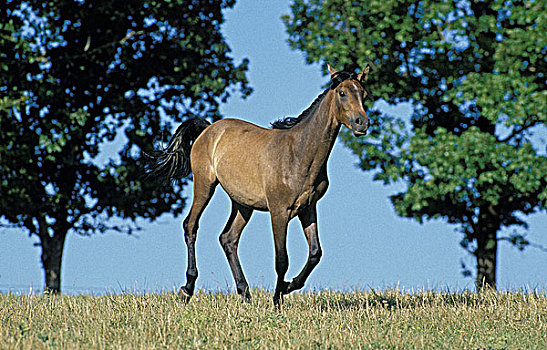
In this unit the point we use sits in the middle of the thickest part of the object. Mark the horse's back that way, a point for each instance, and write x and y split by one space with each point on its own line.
234 151
236 136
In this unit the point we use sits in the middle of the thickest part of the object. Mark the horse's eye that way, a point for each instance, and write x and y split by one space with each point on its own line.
342 93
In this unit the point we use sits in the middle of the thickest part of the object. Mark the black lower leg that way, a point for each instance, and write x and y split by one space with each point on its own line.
191 272
229 240
299 281
243 290
308 219
187 290
279 225
281 287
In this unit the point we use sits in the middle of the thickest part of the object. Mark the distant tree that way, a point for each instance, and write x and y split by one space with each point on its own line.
79 75
475 72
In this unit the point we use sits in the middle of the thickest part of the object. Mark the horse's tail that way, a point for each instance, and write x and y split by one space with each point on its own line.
173 162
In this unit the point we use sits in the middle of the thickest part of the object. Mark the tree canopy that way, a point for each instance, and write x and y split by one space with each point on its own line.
475 73
79 75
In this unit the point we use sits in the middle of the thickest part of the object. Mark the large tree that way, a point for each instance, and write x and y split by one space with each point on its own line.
475 73
78 75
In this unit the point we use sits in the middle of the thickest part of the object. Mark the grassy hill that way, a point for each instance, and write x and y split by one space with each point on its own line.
323 319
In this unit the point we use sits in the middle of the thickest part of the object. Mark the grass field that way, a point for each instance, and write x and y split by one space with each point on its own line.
324 319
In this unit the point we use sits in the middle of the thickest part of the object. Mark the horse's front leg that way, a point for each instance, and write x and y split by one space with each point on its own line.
279 226
308 219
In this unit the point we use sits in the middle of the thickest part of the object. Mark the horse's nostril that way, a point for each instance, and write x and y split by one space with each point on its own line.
358 121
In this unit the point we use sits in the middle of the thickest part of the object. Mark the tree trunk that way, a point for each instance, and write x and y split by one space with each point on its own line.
486 254
52 257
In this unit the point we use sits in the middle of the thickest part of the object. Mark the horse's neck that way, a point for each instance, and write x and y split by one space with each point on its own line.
317 136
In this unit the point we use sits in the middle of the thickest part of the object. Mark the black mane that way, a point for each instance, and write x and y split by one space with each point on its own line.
339 77
289 122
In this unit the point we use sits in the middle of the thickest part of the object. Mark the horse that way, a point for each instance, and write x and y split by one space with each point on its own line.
282 170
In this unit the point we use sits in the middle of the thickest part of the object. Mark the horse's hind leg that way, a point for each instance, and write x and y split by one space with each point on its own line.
308 219
229 239
204 189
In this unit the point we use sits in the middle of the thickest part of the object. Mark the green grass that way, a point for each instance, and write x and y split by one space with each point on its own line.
325 319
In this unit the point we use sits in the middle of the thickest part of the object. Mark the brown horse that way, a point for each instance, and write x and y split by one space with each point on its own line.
282 170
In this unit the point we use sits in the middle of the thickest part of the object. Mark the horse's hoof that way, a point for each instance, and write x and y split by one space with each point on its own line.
246 298
284 287
278 301
184 296
293 286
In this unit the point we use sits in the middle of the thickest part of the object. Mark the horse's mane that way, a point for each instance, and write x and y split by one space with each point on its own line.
289 122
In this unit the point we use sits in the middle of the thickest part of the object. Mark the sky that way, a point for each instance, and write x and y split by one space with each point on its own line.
365 244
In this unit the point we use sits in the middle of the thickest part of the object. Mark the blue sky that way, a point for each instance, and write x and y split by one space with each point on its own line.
364 243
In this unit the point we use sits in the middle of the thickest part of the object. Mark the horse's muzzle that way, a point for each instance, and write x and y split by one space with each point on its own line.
359 125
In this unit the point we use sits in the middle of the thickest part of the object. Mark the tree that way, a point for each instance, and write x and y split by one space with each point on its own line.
79 75
475 73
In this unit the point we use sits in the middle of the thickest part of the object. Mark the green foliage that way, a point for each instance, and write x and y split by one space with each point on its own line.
78 76
475 73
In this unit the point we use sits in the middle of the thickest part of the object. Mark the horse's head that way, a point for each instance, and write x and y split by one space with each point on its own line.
349 95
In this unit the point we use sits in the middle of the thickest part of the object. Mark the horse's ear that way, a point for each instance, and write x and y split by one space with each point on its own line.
363 76
332 71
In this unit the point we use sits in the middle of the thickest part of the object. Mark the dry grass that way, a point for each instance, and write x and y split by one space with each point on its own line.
325 319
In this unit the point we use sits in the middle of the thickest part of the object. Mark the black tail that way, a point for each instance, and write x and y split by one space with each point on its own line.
173 162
